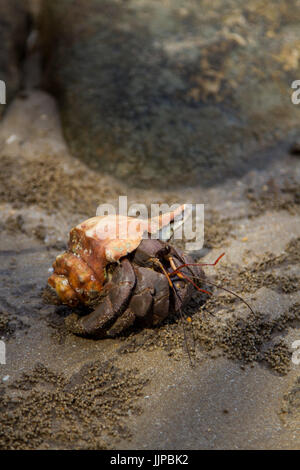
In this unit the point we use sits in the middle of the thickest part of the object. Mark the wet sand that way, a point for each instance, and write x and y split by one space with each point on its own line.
140 391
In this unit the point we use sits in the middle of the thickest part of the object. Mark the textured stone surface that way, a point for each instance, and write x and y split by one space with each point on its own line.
168 92
13 33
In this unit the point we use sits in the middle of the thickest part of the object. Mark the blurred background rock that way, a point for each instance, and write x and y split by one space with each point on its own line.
14 28
161 92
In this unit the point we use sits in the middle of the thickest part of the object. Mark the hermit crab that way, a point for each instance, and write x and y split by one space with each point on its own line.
125 272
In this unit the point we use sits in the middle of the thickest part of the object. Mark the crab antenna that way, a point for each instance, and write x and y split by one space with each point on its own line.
182 321
197 264
193 283
224 288
183 276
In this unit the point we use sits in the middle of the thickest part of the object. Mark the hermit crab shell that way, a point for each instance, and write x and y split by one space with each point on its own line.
80 273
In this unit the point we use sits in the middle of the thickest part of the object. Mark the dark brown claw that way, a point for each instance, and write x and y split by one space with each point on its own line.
150 302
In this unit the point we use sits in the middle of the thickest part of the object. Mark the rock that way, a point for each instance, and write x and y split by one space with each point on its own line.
173 93
13 33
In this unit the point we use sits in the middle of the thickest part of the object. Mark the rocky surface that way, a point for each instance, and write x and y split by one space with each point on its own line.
180 92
